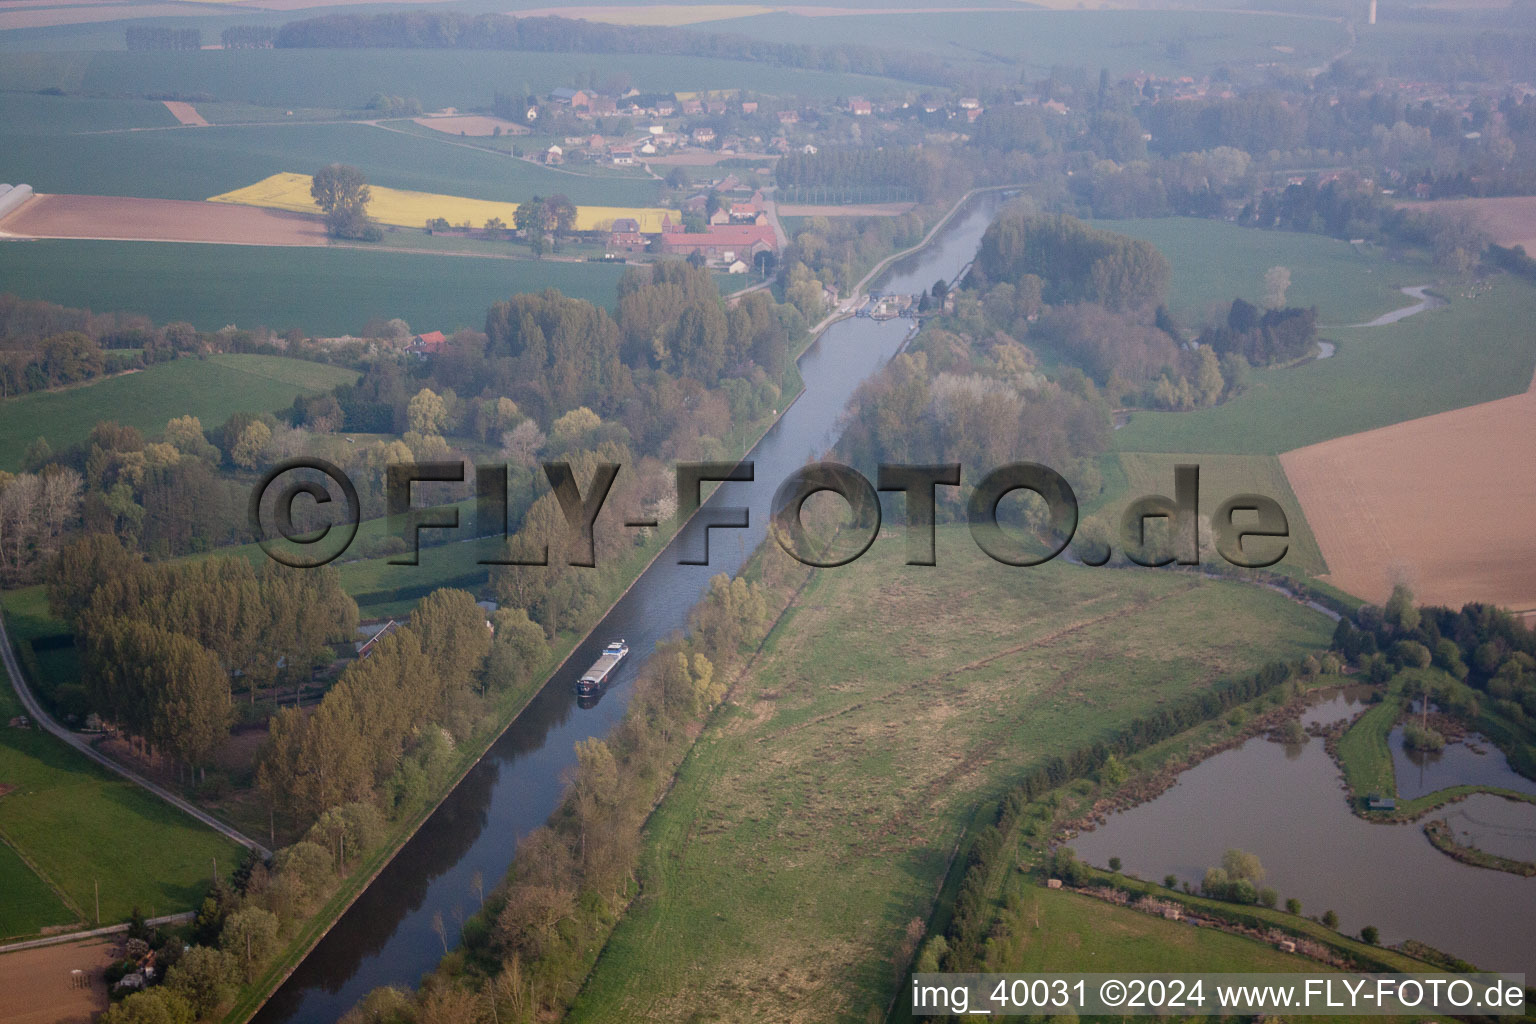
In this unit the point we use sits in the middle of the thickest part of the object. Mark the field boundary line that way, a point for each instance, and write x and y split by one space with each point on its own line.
92 933
64 897
30 704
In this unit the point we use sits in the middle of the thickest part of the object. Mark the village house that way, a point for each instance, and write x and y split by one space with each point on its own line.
789 117
703 136
554 155
692 108
749 107
428 344
970 103
860 108
622 156
625 236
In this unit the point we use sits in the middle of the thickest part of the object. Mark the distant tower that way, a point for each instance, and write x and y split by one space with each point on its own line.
1372 19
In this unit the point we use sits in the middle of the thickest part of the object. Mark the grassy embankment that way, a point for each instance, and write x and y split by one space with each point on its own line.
816 815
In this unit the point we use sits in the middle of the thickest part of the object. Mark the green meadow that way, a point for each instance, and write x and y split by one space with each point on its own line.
323 291
1215 262
1473 350
30 904
814 818
210 389
82 826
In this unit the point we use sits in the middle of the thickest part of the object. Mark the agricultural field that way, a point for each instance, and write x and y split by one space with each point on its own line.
81 825
402 208
1431 502
321 291
1215 262
195 163
1507 220
26 112
210 389
815 816
1162 42
1222 476
162 220
1473 350
467 79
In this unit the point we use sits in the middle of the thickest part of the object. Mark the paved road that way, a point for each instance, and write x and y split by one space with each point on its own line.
35 710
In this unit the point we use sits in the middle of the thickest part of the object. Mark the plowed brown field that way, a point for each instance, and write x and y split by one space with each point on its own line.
39 988
159 220
1441 503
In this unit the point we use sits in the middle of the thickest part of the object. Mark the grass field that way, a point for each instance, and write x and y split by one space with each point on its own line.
81 825
1221 477
210 389
322 291
1473 350
814 818
29 112
195 163
1162 42
1215 262
467 79
1076 931
30 904
290 191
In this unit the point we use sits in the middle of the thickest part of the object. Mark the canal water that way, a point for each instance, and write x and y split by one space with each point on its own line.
387 938
1286 804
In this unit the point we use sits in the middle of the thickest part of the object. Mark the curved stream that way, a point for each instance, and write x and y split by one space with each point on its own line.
386 937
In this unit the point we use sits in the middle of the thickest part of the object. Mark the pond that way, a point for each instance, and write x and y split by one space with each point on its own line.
1473 761
1287 806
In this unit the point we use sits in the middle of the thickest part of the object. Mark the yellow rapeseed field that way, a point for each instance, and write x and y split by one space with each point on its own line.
289 191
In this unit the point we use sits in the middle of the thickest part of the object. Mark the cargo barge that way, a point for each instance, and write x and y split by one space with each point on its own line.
594 678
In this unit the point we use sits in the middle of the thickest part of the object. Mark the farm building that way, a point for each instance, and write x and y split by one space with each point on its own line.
722 241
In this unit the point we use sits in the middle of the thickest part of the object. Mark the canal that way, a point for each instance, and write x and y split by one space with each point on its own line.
387 937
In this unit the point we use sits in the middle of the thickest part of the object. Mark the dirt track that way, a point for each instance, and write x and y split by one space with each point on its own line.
39 989
159 220
1440 503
